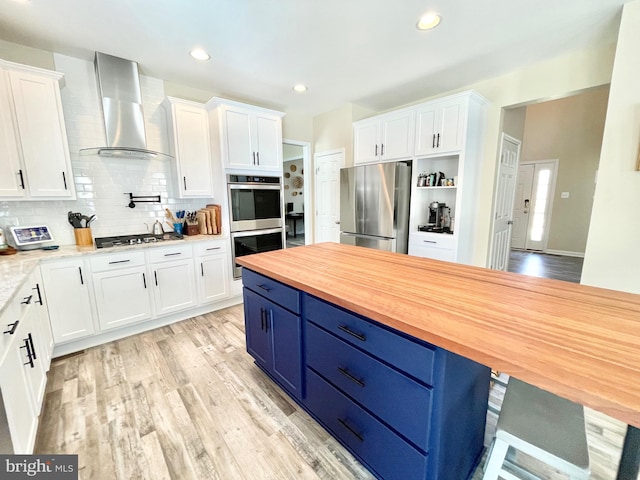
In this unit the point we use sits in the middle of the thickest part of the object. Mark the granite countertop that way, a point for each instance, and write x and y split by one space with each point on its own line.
14 269
577 341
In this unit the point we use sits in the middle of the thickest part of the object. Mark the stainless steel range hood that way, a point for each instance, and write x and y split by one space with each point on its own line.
119 89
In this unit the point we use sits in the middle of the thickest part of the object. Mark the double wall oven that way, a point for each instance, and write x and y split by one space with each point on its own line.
255 204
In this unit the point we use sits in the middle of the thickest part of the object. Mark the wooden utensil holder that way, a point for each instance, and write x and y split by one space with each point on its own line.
191 230
83 237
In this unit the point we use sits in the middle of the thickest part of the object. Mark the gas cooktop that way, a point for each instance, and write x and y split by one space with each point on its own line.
125 240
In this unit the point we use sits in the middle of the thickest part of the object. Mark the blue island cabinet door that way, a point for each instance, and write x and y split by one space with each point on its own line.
285 331
255 316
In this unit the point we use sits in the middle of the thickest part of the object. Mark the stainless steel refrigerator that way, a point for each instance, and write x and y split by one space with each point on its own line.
374 205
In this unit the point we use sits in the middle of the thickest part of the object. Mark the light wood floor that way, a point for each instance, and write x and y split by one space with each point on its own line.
187 402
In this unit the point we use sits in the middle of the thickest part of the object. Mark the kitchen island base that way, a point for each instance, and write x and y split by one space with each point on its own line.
404 408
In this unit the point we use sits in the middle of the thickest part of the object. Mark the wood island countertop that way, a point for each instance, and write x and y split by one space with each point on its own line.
580 342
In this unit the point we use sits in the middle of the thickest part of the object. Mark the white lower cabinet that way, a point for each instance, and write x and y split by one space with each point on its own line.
26 360
173 279
66 290
212 271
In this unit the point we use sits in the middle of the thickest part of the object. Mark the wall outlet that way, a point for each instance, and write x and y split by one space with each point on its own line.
564 195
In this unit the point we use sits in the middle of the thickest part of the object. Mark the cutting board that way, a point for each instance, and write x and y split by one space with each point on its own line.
218 212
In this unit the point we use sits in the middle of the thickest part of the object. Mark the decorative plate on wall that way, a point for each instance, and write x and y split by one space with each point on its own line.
286 187
293 168
293 194
297 182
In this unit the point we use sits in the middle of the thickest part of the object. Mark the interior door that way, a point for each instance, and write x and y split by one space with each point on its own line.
327 195
503 207
522 207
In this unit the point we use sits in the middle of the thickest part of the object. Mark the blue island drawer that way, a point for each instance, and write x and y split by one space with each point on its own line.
273 290
375 444
414 358
401 402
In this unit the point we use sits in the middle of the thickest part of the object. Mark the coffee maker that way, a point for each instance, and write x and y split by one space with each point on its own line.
439 217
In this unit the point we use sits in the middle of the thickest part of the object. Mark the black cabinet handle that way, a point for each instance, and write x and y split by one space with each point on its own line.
21 179
213 248
264 287
64 179
267 314
81 279
202 268
351 430
155 275
261 318
144 280
438 142
184 180
33 349
26 300
13 328
382 149
433 143
355 380
30 357
347 330
119 261
37 289
258 157
376 150
172 254
254 158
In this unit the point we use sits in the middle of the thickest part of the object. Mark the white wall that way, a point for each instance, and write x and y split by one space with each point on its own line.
612 258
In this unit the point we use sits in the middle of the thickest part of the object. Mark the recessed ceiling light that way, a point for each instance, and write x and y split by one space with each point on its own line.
200 54
428 21
300 88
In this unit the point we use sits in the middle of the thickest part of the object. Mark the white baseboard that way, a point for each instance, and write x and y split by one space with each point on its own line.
565 253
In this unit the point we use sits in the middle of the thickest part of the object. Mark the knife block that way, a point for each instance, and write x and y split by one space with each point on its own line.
83 237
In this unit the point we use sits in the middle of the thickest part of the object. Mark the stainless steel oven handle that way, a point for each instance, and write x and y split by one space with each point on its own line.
253 186
251 233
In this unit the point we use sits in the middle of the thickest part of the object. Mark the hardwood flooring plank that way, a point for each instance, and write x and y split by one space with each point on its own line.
158 469
50 427
95 460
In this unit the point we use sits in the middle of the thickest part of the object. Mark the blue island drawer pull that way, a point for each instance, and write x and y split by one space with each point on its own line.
346 373
263 287
350 428
359 336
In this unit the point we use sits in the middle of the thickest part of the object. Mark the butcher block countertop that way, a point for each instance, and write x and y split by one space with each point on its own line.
580 342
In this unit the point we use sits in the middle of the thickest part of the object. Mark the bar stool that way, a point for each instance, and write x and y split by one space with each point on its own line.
542 425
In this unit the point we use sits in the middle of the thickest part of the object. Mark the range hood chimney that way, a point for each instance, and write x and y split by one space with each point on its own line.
119 89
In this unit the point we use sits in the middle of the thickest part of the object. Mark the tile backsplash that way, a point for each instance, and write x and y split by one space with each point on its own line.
103 184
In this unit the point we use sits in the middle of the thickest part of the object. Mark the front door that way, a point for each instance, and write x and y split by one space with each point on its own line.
327 195
522 205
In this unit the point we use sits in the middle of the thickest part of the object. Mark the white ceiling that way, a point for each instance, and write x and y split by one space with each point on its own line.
367 52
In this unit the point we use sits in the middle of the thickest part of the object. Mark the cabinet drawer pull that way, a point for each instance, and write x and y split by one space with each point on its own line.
81 279
382 149
30 356
119 261
213 248
64 179
254 158
264 287
438 142
144 280
202 268
376 150
13 328
172 254
155 276
26 300
351 430
433 144
347 330
37 289
21 179
33 349
430 241
355 380
258 158
184 179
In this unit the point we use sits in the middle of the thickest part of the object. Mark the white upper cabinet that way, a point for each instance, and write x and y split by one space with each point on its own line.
384 137
190 144
250 137
37 165
440 126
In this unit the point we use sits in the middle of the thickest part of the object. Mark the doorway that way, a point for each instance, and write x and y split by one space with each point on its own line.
296 179
533 204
